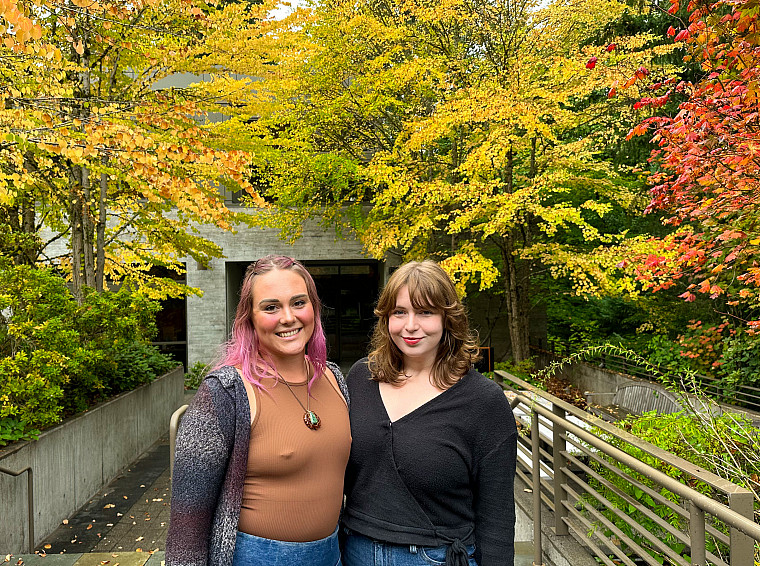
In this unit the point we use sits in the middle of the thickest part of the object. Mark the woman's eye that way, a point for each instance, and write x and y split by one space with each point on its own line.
270 308
300 303
399 312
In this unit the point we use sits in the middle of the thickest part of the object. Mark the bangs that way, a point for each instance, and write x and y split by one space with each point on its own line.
425 293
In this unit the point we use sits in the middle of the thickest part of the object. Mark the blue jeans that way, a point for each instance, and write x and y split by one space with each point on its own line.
359 550
251 550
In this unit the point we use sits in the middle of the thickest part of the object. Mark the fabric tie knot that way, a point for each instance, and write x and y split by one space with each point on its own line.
456 554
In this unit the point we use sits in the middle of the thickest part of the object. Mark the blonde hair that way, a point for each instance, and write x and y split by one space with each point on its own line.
429 287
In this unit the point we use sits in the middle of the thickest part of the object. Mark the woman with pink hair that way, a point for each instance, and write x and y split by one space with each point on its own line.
262 449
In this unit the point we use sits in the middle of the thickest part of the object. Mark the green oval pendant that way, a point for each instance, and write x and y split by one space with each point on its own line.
311 420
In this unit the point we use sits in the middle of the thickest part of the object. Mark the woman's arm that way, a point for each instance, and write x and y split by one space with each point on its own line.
204 445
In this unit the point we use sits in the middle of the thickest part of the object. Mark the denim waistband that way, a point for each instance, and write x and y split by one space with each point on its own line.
251 550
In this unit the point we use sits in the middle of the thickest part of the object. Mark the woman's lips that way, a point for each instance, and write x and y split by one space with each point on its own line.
412 341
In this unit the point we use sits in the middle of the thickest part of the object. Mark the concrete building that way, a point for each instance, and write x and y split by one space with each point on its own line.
347 282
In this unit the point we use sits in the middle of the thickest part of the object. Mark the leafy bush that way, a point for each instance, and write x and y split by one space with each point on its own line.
703 440
58 357
195 375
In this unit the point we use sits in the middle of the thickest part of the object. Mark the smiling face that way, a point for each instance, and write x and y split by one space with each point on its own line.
283 315
415 331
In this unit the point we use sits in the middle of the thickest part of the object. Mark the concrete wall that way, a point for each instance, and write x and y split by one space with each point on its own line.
207 315
75 459
585 377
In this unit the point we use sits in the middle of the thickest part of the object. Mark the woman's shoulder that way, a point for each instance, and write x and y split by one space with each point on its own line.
340 379
360 368
484 390
226 376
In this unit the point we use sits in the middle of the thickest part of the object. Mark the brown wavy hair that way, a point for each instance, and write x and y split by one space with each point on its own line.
429 287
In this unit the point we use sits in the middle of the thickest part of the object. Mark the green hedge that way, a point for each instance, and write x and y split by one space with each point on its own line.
58 357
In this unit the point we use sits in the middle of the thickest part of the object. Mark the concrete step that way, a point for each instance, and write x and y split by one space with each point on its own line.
523 554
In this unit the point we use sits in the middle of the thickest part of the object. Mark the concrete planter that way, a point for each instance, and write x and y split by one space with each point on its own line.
75 459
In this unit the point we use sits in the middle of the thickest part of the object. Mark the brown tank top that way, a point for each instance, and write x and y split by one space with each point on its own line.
293 487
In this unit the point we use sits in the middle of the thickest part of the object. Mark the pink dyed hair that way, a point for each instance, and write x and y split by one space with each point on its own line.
242 349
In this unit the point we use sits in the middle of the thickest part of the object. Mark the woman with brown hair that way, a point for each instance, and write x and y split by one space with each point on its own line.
431 473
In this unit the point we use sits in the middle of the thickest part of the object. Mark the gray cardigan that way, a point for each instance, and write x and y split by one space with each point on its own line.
211 457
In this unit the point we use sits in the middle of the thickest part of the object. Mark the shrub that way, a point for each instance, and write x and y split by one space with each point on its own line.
195 375
702 439
58 357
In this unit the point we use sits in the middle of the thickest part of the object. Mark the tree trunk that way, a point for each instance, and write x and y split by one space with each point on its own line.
77 237
516 287
88 230
100 243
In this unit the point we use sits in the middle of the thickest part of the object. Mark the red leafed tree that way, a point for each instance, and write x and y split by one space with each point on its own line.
706 170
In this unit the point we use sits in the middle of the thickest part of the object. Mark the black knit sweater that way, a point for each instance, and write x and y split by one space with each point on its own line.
445 471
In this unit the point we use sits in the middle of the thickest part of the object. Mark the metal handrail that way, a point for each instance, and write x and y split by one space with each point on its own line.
173 427
569 495
30 499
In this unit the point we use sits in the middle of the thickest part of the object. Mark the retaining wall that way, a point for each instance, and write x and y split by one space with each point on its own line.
72 461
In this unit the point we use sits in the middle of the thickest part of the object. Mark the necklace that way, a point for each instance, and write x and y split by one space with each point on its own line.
310 418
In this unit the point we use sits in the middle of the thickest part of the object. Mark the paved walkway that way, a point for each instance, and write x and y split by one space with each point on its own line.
125 523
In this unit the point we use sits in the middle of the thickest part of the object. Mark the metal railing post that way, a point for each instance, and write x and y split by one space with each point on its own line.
29 498
559 446
697 536
536 477
742 546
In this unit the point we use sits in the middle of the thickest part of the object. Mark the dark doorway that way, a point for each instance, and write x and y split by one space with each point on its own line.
348 293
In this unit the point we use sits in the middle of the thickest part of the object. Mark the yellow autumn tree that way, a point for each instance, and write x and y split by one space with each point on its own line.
94 150
468 131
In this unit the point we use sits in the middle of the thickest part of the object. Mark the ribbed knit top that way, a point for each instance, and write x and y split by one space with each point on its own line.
293 487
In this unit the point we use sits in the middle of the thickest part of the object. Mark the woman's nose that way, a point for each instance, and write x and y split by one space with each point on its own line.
411 321
287 315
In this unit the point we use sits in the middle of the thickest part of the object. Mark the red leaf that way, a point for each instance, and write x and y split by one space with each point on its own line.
671 31
612 92
591 63
682 35
611 47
